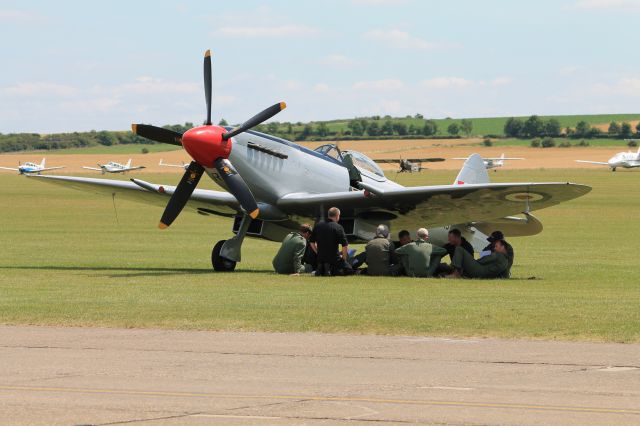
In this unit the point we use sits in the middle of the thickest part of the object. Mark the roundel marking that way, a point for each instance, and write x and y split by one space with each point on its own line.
524 196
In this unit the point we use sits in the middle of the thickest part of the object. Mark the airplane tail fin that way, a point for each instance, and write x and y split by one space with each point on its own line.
502 156
638 153
161 163
129 163
42 164
473 171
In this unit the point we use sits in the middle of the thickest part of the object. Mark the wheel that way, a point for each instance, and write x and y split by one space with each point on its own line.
219 263
613 169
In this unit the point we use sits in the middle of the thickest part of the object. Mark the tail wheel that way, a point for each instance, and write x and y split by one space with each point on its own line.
220 263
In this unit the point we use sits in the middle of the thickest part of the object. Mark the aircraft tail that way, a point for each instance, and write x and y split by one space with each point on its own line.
42 163
129 163
473 171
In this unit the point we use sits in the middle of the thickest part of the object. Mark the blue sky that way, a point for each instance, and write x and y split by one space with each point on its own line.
79 65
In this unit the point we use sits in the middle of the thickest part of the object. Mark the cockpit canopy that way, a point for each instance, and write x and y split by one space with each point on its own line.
363 163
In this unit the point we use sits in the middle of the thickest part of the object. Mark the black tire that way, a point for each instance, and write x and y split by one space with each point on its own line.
221 264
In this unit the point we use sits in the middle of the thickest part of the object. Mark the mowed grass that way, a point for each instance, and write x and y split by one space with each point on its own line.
113 149
67 261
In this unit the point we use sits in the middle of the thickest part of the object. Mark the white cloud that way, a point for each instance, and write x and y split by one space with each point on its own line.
291 85
339 61
624 5
568 70
379 85
379 2
274 31
149 85
38 89
460 82
446 82
8 15
403 40
321 88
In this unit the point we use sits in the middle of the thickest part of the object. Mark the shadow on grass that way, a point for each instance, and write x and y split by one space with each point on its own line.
127 271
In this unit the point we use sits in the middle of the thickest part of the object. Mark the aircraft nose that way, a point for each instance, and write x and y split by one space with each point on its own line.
205 144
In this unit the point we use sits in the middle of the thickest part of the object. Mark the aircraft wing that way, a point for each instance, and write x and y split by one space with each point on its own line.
92 168
434 206
128 169
412 160
214 202
51 168
500 158
592 162
9 168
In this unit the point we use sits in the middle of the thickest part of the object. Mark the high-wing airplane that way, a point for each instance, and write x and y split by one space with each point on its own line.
30 168
275 185
184 166
627 160
113 167
410 165
493 162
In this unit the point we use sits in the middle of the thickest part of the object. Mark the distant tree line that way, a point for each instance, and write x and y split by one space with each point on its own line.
535 127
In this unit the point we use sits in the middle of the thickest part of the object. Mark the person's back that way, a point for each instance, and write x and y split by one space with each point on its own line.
328 236
288 260
378 254
415 258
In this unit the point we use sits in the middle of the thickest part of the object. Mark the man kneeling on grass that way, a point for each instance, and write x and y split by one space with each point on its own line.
289 259
494 265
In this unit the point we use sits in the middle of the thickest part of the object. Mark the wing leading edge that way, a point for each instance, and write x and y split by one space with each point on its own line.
218 202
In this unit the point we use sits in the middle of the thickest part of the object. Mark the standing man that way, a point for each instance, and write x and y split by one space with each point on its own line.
289 259
380 253
325 239
492 266
416 256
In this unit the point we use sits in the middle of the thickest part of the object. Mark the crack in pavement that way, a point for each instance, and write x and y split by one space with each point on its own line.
328 356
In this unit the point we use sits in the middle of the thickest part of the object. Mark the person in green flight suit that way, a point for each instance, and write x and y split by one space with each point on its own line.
492 266
416 257
288 260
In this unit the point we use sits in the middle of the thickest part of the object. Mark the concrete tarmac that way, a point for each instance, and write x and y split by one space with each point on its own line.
81 376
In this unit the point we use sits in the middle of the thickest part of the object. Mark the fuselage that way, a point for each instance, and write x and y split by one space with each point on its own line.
29 168
625 160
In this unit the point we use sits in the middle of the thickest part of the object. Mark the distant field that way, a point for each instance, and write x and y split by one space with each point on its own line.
114 149
69 261
495 125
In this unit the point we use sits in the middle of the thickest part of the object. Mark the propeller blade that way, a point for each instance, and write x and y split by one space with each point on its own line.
255 120
207 84
237 187
158 134
182 193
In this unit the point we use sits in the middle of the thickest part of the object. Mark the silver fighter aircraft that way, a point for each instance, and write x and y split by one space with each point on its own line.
627 160
275 185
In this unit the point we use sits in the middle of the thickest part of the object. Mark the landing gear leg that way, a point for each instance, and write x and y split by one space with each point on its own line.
613 169
226 253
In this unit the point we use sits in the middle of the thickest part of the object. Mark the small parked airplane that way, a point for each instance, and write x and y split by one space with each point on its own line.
493 162
113 167
184 166
275 185
411 165
30 167
627 160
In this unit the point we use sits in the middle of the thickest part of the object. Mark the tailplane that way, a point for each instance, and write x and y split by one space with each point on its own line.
473 171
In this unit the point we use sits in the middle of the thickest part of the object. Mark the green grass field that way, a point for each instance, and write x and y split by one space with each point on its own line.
67 261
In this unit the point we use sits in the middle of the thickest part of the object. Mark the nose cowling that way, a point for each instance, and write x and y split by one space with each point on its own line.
205 144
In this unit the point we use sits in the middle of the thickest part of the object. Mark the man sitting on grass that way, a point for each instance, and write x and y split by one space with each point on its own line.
289 258
492 266
416 257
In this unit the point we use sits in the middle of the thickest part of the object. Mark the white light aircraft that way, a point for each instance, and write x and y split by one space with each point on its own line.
113 167
493 162
275 185
627 160
184 166
31 168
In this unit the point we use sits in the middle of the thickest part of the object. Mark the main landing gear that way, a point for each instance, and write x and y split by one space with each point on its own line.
226 253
